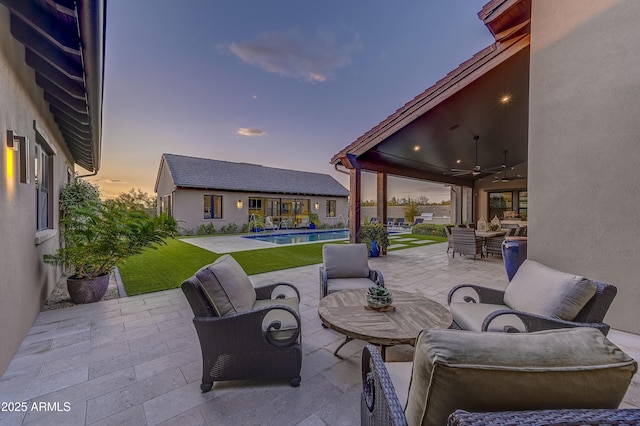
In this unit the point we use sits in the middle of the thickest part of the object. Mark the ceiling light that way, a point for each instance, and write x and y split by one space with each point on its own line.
416 148
505 99
458 161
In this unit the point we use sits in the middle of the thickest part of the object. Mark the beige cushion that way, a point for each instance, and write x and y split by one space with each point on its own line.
289 323
226 286
338 284
345 260
484 371
541 290
470 316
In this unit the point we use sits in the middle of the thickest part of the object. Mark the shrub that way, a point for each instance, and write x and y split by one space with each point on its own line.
429 229
231 228
410 211
206 229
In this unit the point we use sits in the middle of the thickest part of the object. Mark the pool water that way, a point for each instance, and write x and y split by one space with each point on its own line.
303 237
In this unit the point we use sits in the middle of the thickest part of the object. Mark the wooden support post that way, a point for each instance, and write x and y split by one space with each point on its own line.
355 189
381 198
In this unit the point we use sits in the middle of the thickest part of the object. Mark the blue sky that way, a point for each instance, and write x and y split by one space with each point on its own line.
281 83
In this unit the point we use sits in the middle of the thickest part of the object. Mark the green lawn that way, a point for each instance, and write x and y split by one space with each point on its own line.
168 266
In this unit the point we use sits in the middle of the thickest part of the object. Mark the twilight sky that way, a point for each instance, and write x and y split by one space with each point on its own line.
282 83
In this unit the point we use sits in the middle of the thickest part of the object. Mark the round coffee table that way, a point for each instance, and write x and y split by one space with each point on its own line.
345 312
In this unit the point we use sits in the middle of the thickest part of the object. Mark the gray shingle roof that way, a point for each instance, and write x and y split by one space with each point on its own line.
193 172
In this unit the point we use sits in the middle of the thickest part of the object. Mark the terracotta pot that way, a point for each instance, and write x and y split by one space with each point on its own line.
87 290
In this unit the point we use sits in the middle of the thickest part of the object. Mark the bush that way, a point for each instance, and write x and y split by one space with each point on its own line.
231 228
429 229
208 229
411 211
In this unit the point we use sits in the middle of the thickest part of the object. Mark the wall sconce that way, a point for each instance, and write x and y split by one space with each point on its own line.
20 144
239 204
317 205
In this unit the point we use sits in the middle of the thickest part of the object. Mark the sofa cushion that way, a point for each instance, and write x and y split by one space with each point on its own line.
288 322
541 290
345 260
470 316
226 286
338 284
485 371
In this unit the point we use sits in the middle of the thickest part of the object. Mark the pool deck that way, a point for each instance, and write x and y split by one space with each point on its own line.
234 243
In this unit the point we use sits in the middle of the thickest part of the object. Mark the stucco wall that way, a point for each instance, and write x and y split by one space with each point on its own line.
188 207
584 145
25 281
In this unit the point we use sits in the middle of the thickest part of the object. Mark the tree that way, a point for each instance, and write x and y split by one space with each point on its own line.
138 200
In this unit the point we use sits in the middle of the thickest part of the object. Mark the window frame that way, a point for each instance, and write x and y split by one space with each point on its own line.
212 207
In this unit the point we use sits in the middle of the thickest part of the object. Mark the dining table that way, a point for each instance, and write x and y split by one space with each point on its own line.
488 234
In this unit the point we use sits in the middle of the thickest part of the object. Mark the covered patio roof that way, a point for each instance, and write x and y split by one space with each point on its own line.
64 44
486 96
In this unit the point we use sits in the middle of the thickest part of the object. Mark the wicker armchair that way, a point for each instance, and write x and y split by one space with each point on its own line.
465 242
625 416
498 315
447 230
493 245
345 267
260 342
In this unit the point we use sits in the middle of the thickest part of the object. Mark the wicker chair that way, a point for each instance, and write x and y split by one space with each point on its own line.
449 238
260 342
498 315
625 416
345 267
466 242
496 372
493 245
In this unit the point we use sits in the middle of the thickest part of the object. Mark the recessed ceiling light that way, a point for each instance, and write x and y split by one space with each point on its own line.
416 148
458 161
505 99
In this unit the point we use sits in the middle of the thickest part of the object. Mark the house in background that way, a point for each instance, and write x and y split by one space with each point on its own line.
51 80
201 191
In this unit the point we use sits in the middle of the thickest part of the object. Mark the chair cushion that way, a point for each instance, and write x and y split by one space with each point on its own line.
476 371
470 316
289 323
541 290
345 260
338 284
226 286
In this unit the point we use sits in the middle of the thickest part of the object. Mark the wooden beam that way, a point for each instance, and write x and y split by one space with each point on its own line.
355 190
381 198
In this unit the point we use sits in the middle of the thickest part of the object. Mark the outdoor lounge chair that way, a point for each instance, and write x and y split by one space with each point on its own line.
345 267
493 372
269 225
244 333
537 298
465 242
304 222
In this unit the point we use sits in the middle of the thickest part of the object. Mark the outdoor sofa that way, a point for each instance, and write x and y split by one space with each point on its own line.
537 298
452 370
245 332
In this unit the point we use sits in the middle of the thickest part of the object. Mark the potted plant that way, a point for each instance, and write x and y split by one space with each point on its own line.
97 235
378 297
256 224
376 237
314 220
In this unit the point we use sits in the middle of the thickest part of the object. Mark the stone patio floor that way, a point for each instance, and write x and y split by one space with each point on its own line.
136 360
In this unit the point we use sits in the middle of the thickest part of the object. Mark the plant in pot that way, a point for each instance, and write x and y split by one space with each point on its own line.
256 224
378 297
314 220
376 237
96 236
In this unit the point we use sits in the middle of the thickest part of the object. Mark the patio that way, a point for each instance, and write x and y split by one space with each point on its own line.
136 360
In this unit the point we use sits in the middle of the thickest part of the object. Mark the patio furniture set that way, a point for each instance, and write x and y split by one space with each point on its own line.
466 240
539 345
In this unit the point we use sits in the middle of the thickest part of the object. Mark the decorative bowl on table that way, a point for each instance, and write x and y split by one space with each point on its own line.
378 297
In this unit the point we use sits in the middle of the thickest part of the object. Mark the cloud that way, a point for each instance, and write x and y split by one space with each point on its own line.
295 55
245 131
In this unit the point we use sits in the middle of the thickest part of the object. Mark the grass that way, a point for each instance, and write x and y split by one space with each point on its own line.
168 266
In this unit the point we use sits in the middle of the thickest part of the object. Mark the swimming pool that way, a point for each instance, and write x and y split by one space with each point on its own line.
301 237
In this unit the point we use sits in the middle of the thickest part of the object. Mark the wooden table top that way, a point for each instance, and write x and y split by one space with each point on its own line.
344 312
487 234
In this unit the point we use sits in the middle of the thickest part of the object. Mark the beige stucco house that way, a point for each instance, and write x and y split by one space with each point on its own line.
51 69
559 91
201 191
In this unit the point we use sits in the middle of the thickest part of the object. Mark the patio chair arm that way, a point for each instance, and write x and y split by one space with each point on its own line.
324 282
379 404
245 328
483 294
376 277
534 322
266 291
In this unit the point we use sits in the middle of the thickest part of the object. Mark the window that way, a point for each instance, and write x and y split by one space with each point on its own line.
213 206
42 171
165 205
522 205
498 203
331 208
255 207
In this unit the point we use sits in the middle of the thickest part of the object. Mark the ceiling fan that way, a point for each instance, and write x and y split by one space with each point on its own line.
477 170
504 177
